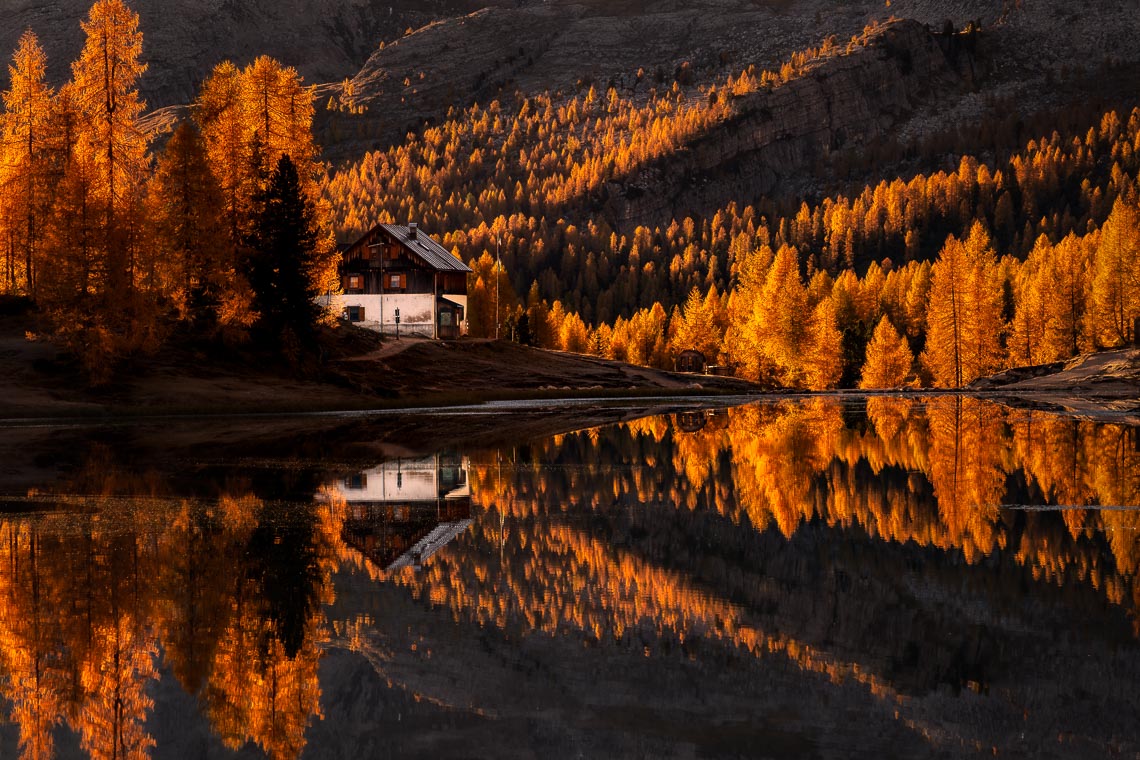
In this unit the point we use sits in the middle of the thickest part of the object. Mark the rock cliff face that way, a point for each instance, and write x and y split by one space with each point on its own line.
839 102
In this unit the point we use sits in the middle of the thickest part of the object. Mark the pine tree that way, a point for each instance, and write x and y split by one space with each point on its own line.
282 248
889 358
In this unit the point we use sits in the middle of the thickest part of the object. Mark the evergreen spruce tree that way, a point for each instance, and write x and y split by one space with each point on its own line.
522 328
282 251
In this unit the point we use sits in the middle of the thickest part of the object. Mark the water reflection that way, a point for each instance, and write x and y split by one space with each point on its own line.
230 592
401 512
862 555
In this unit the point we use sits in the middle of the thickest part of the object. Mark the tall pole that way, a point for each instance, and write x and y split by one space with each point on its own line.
498 274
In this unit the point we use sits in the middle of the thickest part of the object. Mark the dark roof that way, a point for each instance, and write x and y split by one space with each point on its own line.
425 247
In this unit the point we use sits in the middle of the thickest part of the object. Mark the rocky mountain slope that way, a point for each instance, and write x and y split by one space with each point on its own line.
326 40
1028 46
1030 55
837 104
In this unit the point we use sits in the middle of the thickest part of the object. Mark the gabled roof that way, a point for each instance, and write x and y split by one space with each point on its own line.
426 248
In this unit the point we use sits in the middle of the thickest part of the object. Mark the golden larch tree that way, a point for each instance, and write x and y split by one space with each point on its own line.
1069 276
189 263
701 326
889 358
742 339
964 315
26 120
1116 284
823 362
782 317
111 138
222 112
1032 318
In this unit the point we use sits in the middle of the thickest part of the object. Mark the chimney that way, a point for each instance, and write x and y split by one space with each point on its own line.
413 228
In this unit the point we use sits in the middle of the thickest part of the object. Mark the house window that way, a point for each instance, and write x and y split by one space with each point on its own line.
445 318
354 313
356 482
397 281
355 282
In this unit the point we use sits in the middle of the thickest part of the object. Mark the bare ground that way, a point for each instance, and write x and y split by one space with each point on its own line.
1104 384
358 372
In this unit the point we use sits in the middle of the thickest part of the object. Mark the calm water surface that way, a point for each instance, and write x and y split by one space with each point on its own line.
800 578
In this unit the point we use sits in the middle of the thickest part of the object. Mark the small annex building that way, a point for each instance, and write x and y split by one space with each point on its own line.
690 361
397 272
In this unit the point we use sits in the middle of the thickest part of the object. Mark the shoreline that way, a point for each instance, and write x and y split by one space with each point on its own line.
415 405
1108 406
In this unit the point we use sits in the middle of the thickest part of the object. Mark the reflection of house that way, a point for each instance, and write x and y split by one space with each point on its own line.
693 421
403 511
696 420
397 276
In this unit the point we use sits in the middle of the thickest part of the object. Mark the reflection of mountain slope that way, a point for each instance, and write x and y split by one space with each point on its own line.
458 684
903 624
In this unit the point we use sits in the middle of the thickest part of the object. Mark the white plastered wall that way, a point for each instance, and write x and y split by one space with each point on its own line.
417 312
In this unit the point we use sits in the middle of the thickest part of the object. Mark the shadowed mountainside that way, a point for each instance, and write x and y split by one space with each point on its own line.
183 39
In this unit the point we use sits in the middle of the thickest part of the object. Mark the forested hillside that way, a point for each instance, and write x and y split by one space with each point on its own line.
788 295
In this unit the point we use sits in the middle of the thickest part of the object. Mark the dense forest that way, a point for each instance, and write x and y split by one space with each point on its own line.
934 279
221 233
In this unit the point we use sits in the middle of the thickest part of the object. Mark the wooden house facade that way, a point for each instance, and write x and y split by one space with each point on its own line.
398 278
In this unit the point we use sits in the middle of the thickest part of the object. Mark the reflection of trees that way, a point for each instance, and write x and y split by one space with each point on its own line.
967 449
604 533
30 632
776 452
113 677
863 542
78 645
933 473
231 590
264 685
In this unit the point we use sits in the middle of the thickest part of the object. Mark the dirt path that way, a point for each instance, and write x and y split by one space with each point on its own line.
391 347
